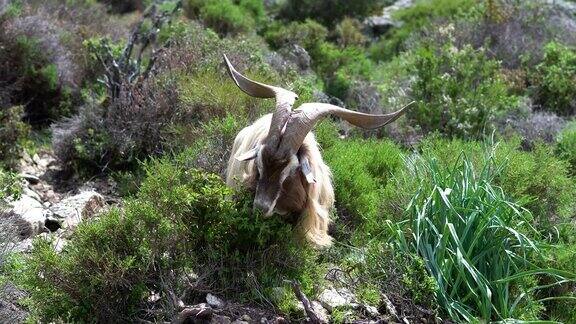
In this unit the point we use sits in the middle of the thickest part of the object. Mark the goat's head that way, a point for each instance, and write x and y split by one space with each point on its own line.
278 156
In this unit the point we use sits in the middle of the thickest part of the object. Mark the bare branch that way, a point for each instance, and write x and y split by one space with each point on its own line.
196 312
307 305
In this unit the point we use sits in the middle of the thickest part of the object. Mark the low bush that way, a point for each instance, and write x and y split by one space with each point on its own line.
42 60
475 241
554 80
361 171
417 18
402 277
115 135
307 34
13 132
185 233
227 17
123 6
531 126
566 145
330 12
10 186
349 33
458 91
515 32
339 67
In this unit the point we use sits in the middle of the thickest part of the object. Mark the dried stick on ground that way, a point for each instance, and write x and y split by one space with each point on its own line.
307 305
197 313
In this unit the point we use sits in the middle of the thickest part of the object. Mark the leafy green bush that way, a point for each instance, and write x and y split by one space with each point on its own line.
361 171
13 132
10 187
329 12
554 80
33 77
185 227
566 146
307 34
459 91
227 17
475 241
339 67
349 32
415 19
403 277
42 61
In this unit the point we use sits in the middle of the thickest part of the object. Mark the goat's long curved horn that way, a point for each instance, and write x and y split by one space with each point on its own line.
284 100
306 116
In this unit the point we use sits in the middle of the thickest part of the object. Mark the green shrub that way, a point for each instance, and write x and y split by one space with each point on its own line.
228 16
415 19
13 132
403 277
10 186
34 79
182 228
554 80
349 33
207 95
339 67
330 12
361 171
459 91
225 18
566 146
307 34
474 240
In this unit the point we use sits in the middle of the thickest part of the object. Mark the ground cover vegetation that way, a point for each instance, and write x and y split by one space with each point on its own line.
462 211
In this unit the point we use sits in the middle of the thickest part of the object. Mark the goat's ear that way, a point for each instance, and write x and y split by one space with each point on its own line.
249 155
307 170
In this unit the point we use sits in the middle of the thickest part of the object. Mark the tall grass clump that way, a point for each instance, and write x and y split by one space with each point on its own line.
475 240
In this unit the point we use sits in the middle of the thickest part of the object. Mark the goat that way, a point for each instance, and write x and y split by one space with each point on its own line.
279 158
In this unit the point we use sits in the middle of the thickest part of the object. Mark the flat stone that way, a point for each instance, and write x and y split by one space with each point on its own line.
331 298
321 312
26 218
72 210
32 179
214 301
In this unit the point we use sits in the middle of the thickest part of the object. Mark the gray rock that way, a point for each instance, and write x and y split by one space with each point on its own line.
370 310
331 298
321 312
10 311
72 210
379 25
297 55
32 179
214 301
26 217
